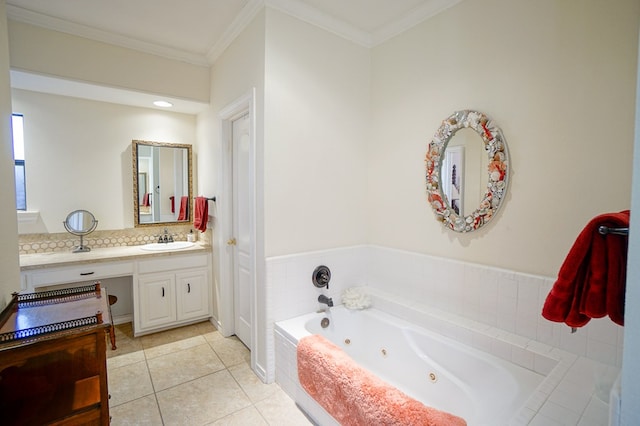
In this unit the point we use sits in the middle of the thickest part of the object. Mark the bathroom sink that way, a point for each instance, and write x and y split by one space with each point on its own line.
176 245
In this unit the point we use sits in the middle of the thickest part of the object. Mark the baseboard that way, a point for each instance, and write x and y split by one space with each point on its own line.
123 319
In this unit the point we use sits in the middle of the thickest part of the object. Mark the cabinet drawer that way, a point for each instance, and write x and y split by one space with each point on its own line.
78 273
171 263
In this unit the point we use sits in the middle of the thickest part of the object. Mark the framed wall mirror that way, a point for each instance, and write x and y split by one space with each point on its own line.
467 171
162 183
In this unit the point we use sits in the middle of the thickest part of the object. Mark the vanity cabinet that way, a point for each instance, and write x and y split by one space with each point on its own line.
169 289
176 292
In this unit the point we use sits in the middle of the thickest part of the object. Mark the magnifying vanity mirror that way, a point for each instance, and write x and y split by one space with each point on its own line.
80 223
467 171
162 183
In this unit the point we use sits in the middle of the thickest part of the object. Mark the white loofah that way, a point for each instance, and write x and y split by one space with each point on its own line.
355 298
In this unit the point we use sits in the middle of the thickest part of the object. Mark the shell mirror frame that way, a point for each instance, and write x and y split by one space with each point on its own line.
441 173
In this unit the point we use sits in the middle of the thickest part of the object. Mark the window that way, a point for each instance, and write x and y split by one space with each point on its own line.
17 122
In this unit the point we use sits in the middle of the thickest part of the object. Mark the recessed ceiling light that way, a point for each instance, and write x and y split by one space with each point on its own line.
163 104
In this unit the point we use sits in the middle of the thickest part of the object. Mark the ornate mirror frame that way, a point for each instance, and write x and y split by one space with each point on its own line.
498 170
136 191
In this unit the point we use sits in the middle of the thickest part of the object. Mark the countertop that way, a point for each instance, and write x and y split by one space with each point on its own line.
108 254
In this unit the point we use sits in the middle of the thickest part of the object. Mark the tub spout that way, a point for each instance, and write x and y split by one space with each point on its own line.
326 300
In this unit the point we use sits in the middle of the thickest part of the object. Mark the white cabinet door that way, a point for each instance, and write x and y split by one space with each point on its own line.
192 294
157 300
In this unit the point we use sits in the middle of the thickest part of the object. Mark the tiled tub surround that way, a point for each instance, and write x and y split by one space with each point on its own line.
508 300
469 301
64 241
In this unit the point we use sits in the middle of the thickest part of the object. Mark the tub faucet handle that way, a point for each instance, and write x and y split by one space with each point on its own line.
321 276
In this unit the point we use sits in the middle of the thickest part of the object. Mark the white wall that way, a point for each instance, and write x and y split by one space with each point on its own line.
316 127
557 77
10 277
78 155
316 107
312 112
238 70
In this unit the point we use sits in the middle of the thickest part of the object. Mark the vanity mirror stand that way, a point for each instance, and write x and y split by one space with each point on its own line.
80 223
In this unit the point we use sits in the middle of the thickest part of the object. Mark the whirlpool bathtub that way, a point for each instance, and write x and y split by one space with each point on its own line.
482 388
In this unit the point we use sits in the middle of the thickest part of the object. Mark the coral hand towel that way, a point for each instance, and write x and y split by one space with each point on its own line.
201 214
353 395
592 280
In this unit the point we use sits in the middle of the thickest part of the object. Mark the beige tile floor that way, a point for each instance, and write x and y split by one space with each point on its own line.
191 376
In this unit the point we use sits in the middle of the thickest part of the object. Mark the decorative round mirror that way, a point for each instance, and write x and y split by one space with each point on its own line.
457 180
80 223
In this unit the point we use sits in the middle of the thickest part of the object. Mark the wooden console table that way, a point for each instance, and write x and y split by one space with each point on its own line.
53 368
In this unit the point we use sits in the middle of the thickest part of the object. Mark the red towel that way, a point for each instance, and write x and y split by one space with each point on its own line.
592 280
184 208
201 215
146 201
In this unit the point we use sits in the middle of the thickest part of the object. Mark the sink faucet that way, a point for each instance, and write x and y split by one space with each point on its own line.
326 300
166 238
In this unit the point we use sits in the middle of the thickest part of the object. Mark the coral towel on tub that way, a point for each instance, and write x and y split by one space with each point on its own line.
592 280
353 395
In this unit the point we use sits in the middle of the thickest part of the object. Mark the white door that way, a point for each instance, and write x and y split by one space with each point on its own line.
242 267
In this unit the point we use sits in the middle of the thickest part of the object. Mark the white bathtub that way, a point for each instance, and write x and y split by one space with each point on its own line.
438 371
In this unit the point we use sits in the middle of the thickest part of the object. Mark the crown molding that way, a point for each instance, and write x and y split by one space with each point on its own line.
294 8
329 23
244 18
320 19
41 20
416 16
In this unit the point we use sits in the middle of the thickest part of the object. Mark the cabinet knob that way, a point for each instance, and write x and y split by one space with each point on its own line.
188 288
231 242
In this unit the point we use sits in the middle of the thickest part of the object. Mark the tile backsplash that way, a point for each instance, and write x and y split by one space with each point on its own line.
59 242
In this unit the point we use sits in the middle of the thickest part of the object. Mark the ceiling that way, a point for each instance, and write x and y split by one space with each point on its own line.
198 31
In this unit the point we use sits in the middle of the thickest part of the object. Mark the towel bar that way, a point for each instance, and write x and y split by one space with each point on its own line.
604 230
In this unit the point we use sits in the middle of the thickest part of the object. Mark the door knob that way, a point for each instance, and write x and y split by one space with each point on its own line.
231 242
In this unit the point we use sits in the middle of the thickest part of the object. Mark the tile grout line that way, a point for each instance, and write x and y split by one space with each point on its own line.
228 368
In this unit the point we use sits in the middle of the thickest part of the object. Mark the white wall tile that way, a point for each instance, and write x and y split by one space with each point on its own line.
596 413
509 300
559 414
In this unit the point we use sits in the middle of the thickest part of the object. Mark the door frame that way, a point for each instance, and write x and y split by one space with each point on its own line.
236 109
